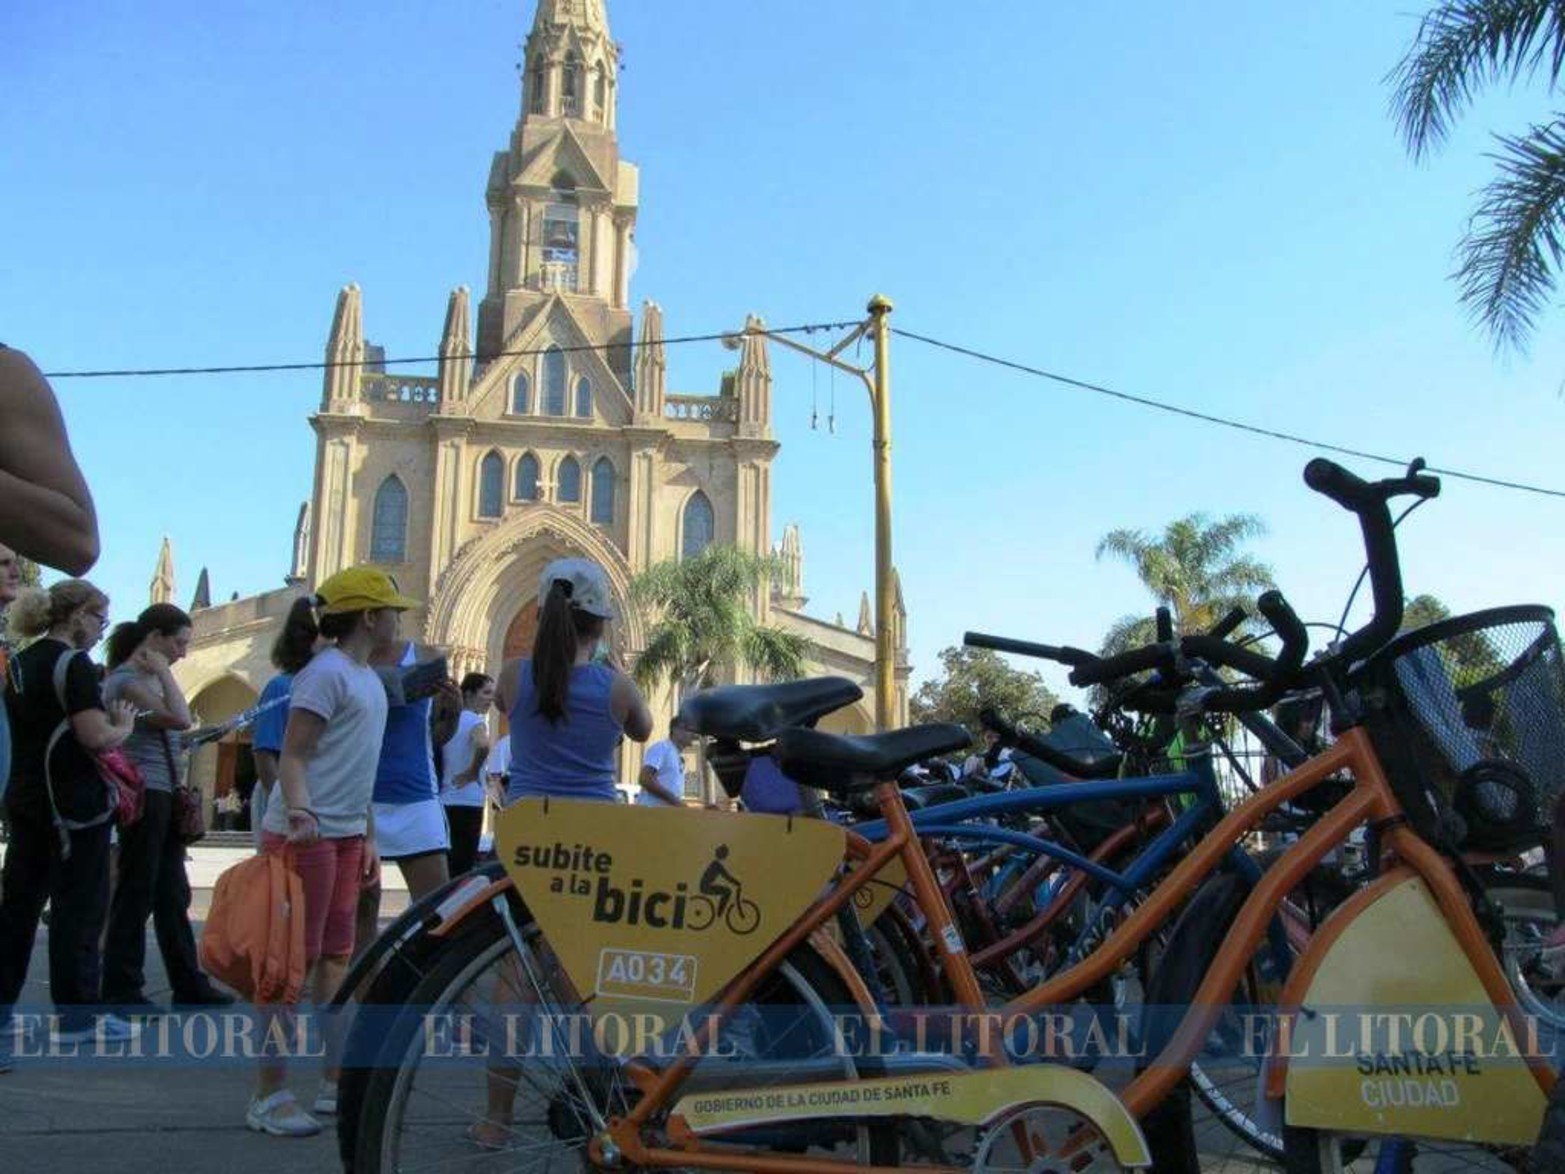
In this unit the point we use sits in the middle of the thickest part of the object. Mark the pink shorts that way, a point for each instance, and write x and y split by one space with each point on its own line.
329 871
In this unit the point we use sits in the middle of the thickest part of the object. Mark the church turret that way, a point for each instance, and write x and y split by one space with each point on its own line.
203 596
651 365
344 353
572 64
753 382
162 589
299 569
456 353
789 590
866 624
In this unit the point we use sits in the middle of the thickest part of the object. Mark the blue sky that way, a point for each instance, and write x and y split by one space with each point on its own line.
1202 203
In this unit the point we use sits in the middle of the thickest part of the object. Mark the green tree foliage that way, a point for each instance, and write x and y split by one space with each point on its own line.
1423 610
701 621
1196 568
1509 257
975 678
701 625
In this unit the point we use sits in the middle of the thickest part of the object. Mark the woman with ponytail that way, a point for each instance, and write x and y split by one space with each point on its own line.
151 875
568 708
60 810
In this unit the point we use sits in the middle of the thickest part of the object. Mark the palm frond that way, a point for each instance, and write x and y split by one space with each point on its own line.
667 654
1510 255
774 654
1463 45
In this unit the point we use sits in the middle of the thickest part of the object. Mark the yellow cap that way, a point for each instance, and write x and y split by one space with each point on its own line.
361 589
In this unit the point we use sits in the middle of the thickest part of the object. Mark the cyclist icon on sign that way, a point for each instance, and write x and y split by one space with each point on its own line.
721 895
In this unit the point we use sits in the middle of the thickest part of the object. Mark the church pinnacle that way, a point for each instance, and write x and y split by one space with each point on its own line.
585 15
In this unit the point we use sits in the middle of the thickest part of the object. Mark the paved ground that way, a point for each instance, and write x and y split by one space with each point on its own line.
132 1119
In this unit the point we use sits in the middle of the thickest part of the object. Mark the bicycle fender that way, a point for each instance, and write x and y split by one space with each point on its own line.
1387 1029
968 1098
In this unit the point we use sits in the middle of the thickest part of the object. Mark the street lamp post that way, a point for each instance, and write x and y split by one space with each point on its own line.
877 381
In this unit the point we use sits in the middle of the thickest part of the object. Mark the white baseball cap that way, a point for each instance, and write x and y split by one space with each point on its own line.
586 585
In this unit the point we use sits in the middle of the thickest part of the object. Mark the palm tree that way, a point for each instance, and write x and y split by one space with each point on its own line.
1195 568
1508 258
705 625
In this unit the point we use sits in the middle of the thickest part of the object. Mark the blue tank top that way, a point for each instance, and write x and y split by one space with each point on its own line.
406 771
572 760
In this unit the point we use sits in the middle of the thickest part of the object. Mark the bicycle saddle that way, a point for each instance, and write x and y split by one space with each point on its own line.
842 764
758 713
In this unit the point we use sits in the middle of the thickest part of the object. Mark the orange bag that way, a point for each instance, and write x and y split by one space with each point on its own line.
253 939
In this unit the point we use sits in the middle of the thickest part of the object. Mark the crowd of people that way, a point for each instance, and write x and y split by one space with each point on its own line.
363 757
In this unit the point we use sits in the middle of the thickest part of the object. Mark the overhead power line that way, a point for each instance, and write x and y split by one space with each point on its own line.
1221 421
326 365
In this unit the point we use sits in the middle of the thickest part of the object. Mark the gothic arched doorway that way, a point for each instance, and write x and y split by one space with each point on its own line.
523 630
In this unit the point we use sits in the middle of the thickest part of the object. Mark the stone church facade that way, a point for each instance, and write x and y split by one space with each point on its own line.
549 431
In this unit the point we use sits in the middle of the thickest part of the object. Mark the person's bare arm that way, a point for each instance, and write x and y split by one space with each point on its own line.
469 774
299 741
265 769
168 712
98 730
649 782
46 511
505 686
630 708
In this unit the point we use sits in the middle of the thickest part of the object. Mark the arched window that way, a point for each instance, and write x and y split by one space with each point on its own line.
568 480
491 486
389 524
527 478
521 394
599 94
540 99
554 382
561 235
603 491
583 396
698 526
571 87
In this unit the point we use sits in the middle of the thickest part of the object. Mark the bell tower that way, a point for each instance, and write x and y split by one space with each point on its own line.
562 203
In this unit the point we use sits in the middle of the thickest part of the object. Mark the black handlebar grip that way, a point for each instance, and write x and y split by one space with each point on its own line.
1329 478
1226 626
1070 656
1112 668
1290 630
1165 625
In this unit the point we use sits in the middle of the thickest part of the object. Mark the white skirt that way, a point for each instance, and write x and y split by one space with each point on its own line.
410 829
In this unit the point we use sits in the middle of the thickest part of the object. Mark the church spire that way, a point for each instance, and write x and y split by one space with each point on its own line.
754 381
572 68
344 352
651 364
456 353
163 577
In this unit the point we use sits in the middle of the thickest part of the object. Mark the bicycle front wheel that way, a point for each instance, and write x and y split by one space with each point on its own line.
426 1111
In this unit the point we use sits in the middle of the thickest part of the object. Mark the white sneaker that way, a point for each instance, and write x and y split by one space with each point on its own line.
108 1029
325 1099
279 1115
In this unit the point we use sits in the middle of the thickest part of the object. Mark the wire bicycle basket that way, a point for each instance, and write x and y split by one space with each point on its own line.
1474 725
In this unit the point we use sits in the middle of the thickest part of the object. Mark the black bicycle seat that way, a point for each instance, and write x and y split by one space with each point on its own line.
758 713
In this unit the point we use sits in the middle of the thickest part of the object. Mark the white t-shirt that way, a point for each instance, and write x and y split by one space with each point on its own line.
340 776
455 756
664 758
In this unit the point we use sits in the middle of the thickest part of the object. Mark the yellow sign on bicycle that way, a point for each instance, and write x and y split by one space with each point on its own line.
657 909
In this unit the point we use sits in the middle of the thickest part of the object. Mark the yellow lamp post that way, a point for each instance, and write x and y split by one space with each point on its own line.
877 381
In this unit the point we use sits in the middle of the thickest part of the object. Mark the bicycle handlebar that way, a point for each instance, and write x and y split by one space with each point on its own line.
1039 749
1369 500
1274 676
